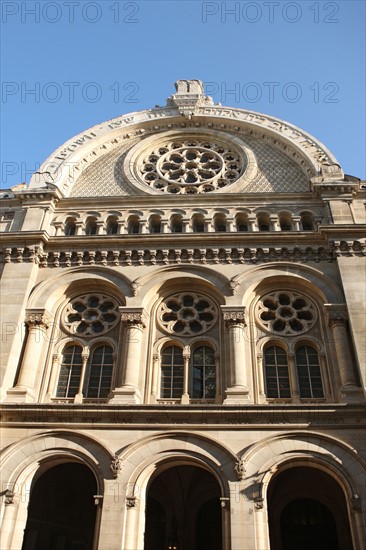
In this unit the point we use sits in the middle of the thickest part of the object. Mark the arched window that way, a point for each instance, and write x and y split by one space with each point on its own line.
198 224
176 224
91 227
172 372
70 372
112 226
264 223
133 225
308 372
70 228
203 373
155 224
307 222
276 372
101 368
285 221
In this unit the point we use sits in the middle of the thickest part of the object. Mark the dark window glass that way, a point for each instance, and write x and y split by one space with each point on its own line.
308 372
70 372
276 372
172 370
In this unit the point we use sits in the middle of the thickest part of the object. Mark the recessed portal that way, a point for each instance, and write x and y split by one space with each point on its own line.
61 512
183 511
307 510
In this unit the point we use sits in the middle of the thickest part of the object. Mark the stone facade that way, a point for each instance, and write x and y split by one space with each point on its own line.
183 296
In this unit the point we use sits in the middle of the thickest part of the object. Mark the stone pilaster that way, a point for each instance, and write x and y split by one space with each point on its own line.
37 321
337 317
135 321
234 318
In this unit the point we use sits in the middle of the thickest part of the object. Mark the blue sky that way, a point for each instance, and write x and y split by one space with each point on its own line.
67 65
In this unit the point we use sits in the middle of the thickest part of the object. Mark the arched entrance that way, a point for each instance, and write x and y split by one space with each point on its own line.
307 509
183 510
61 511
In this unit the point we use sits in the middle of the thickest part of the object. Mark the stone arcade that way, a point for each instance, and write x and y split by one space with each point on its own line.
183 347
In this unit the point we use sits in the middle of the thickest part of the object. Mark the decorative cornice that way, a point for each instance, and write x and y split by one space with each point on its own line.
113 256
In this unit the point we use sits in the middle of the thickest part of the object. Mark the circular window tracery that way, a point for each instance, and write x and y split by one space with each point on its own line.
187 314
191 166
286 313
90 315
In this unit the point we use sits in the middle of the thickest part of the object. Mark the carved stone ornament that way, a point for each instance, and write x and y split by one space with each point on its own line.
98 499
131 502
133 319
116 466
234 317
240 469
336 313
356 503
9 497
189 97
37 318
258 503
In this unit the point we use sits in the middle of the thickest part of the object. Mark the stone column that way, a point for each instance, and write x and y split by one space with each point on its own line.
274 222
135 320
337 317
79 396
37 321
79 228
296 221
186 357
238 391
100 228
294 389
155 378
252 223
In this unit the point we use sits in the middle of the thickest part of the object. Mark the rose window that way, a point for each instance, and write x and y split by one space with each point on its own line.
91 315
191 166
286 313
187 314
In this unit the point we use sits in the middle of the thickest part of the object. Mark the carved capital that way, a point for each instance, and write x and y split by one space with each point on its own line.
98 499
258 503
132 502
356 503
336 314
37 318
134 317
9 497
233 316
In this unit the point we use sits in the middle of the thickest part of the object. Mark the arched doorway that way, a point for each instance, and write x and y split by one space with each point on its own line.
61 511
183 510
307 509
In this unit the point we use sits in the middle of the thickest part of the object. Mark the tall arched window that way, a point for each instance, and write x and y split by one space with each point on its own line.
70 227
308 372
203 373
276 372
101 368
70 372
91 227
172 372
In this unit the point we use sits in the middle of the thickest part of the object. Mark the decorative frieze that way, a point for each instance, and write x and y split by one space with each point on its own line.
146 256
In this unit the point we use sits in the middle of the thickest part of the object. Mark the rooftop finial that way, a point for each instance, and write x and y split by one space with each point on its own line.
188 97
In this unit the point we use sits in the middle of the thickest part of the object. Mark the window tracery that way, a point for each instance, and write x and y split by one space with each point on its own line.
191 166
90 315
287 313
187 314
